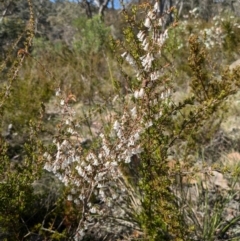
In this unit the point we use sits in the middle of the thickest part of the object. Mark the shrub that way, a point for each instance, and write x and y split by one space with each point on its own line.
120 182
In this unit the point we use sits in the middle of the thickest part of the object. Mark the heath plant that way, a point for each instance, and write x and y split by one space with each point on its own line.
149 127
119 177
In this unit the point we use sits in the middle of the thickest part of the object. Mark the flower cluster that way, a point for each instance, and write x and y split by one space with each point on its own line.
99 172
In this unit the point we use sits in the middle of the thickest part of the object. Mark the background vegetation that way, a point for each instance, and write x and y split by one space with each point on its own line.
110 133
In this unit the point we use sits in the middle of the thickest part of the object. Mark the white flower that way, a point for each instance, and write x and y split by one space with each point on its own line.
119 146
114 196
77 183
80 171
88 168
131 141
155 75
100 185
162 38
58 92
156 7
151 15
62 102
134 112
93 210
141 36
157 116
139 94
147 23
81 196
106 150
90 157
114 164
128 159
137 150
130 59
148 124
76 201
49 157
64 143
70 130
124 54
160 22
136 136
95 162
107 164
120 134
116 125
69 198
147 61
146 46
47 167
83 164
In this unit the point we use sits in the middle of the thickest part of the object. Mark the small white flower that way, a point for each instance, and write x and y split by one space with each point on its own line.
106 150
81 196
107 164
160 22
147 61
62 102
136 94
93 210
47 167
114 163
141 36
134 112
114 196
88 168
148 124
130 59
128 159
69 198
131 142
124 54
70 130
65 143
136 136
146 46
151 15
101 193
155 75
58 92
77 183
137 150
141 93
95 162
116 125
76 201
120 134
80 171
147 23
156 7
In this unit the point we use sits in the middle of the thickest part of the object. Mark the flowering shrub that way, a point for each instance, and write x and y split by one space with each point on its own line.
122 182
150 126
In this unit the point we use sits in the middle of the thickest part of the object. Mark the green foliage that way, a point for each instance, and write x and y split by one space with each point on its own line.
92 35
17 199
